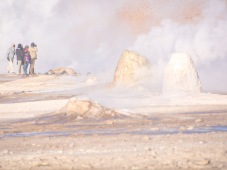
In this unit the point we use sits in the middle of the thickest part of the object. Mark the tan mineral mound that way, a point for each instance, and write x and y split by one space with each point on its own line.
129 67
85 108
181 76
62 71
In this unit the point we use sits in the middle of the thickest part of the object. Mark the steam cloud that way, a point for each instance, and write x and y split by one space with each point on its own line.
89 36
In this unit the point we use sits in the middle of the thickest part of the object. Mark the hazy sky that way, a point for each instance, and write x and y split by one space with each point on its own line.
90 35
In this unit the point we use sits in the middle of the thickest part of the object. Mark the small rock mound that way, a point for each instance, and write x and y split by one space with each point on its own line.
85 108
181 77
62 71
129 65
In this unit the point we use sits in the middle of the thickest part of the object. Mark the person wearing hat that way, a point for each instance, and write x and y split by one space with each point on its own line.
33 54
10 57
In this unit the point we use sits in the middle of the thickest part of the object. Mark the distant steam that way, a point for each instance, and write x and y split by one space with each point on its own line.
90 36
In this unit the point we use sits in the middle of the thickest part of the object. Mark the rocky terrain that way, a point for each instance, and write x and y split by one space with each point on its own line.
56 122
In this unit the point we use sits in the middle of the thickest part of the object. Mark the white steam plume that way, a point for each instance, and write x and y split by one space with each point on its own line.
79 34
205 40
90 36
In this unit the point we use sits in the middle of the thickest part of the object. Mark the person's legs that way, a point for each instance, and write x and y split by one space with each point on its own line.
19 62
10 66
22 68
28 68
32 65
25 67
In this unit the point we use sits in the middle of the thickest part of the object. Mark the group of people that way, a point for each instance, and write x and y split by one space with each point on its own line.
25 57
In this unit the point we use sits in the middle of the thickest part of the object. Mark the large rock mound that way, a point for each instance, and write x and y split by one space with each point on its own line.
62 71
181 77
85 108
129 66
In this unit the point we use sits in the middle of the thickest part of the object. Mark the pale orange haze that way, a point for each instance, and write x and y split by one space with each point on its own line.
90 36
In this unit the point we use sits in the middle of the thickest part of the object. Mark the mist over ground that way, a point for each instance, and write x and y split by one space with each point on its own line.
90 36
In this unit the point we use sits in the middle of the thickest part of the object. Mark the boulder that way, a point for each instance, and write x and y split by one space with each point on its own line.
62 71
86 108
181 77
129 67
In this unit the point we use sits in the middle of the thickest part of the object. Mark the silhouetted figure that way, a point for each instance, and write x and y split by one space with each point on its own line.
27 59
33 50
10 57
20 58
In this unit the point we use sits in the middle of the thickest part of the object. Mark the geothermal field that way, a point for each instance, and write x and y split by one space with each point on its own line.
65 120
119 85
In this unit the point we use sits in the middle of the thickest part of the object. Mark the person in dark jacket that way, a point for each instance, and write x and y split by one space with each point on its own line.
20 57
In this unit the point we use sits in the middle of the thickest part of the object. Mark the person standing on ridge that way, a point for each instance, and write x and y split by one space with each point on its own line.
20 57
32 50
27 59
10 57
